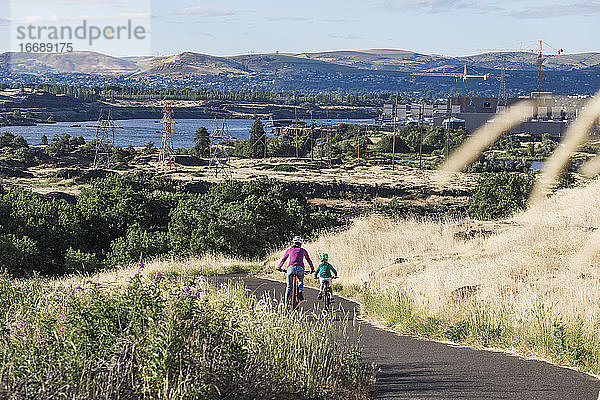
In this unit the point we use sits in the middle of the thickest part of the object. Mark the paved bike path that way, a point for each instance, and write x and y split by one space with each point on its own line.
411 368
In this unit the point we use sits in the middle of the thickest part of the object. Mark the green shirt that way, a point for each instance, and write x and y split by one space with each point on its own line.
325 269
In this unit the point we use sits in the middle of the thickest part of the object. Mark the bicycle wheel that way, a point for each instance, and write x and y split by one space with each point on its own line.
326 297
294 300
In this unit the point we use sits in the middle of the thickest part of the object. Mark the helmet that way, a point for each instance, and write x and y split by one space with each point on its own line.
297 239
324 257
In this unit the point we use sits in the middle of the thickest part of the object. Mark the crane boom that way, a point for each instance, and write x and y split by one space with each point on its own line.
539 51
462 75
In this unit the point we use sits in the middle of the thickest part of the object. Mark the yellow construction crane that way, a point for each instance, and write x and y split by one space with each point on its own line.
464 76
539 51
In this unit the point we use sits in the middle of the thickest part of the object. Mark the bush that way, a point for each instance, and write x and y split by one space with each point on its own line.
436 138
52 225
285 146
149 148
118 217
110 206
12 141
77 260
19 255
25 156
243 219
124 250
396 208
498 195
63 145
202 143
386 142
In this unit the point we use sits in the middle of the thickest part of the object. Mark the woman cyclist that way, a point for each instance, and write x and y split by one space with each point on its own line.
296 254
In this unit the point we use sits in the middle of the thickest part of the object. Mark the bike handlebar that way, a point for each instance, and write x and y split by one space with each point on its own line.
285 271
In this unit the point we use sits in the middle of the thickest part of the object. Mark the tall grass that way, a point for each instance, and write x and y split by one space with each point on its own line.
530 283
167 337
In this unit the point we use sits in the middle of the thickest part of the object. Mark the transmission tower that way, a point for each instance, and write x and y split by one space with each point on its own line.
166 157
219 156
502 89
105 141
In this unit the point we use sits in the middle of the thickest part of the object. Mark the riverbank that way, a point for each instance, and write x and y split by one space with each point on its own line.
42 105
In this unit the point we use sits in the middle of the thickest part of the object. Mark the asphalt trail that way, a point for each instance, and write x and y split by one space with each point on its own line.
410 368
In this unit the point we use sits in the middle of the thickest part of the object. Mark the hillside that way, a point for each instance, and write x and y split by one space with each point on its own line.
348 71
528 62
67 63
188 64
383 59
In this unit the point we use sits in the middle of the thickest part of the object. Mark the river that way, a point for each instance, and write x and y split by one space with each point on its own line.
137 132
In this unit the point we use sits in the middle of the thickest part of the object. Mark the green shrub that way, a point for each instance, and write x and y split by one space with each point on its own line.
498 195
243 219
386 142
110 206
12 141
395 208
25 156
202 143
53 225
19 255
77 260
126 249
62 145
118 217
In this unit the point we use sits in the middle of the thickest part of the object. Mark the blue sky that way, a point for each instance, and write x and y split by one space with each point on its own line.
448 27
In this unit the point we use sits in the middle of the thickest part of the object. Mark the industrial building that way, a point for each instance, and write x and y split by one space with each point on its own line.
473 112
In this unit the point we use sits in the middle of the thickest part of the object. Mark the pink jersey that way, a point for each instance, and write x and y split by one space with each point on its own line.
296 256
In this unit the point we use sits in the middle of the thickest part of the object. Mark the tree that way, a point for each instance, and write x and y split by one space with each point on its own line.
61 145
17 114
202 140
258 139
500 194
148 148
44 141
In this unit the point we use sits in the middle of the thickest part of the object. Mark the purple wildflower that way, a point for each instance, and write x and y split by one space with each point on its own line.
60 329
20 324
140 263
158 276
62 318
71 292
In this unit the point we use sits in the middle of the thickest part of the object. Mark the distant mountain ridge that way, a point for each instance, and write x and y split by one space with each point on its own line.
190 63
343 71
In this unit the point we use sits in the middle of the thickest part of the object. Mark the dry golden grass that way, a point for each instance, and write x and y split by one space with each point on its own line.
206 265
545 256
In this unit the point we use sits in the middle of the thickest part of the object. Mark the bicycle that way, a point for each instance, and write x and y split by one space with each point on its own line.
327 294
294 300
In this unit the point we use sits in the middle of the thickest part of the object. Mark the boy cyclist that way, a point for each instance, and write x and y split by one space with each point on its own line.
324 270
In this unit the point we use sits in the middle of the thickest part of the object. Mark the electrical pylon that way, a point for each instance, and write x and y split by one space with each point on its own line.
166 157
219 156
105 141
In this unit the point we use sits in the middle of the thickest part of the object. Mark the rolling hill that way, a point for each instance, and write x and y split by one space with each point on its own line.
344 71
